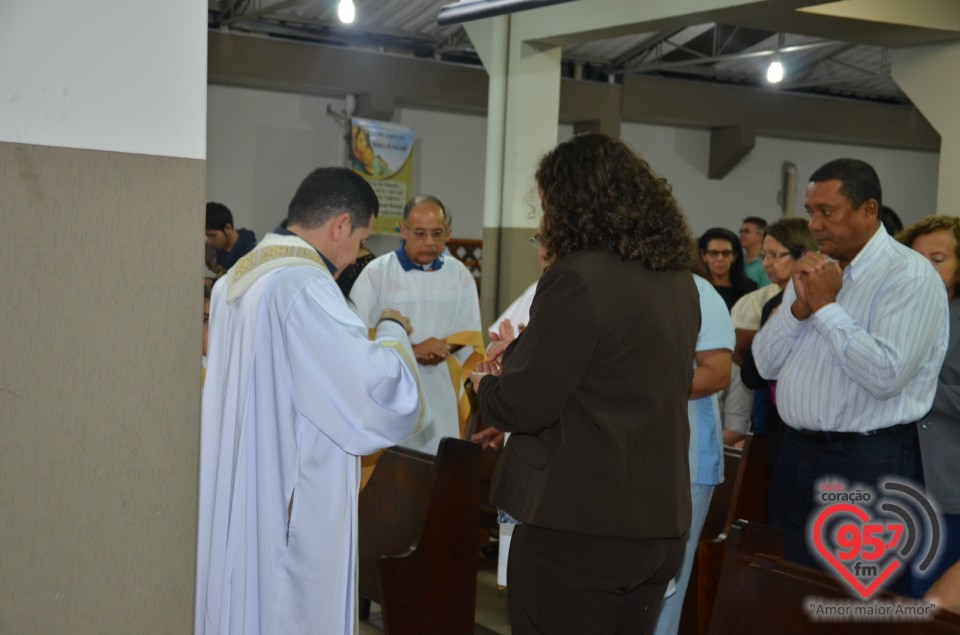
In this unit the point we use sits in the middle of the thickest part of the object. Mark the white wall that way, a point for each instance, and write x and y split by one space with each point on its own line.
104 75
909 179
450 163
261 144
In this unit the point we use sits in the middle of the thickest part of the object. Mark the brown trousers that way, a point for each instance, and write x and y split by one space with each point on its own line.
560 582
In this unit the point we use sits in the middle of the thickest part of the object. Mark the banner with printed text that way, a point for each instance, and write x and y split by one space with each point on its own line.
382 153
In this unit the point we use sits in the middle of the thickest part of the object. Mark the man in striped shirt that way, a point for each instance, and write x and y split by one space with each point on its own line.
855 348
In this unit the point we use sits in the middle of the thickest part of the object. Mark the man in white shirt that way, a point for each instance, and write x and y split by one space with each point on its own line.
439 296
295 392
855 348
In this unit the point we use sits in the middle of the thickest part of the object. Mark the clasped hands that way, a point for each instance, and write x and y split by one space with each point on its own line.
501 340
492 437
431 351
817 280
498 344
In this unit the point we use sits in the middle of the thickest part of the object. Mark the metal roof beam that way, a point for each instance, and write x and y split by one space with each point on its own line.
640 50
657 66
261 11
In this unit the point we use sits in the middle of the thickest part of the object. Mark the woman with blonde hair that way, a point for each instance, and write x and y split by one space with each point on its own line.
784 242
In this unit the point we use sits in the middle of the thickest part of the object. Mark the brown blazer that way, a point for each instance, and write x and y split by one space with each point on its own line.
595 394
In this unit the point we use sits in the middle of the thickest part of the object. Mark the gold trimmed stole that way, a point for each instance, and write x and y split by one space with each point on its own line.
474 340
273 252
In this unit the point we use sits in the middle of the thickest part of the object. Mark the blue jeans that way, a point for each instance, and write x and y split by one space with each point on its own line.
669 621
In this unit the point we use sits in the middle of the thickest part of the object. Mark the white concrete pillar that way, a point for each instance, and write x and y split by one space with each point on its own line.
524 107
928 76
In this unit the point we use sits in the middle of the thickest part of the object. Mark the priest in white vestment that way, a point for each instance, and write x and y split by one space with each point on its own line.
439 295
295 392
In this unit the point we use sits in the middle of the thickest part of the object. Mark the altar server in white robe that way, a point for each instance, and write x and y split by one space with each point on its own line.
439 296
295 393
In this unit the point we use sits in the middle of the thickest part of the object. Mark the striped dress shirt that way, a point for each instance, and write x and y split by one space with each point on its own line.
869 360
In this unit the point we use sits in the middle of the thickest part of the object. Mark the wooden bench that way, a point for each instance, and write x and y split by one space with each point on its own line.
418 519
488 464
742 495
762 593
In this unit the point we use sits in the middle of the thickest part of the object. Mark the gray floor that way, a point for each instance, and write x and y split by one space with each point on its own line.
492 617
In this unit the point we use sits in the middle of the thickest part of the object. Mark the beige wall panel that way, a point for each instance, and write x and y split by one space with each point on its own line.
99 390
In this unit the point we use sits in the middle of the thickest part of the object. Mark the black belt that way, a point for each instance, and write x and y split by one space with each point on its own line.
823 436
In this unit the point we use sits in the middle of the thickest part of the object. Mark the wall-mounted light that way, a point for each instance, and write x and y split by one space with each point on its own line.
346 11
775 71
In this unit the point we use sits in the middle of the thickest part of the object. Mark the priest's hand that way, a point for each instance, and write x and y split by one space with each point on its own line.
395 316
431 351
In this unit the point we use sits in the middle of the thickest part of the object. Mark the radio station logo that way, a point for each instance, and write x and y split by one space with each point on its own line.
868 538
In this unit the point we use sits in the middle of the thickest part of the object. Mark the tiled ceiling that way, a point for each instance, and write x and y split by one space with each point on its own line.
707 52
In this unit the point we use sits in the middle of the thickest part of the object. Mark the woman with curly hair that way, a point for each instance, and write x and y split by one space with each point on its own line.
594 392
937 238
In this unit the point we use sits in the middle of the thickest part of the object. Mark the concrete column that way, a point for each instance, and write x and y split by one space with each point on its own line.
523 114
928 76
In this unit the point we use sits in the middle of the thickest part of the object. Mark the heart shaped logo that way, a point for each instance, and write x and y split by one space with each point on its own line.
860 550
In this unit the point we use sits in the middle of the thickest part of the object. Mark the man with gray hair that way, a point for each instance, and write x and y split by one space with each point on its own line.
439 295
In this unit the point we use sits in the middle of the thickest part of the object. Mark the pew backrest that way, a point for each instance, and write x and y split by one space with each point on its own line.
418 539
760 592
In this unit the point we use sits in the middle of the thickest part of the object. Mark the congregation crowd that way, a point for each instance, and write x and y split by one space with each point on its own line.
612 385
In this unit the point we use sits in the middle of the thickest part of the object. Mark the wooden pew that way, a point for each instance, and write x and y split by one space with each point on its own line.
488 463
762 593
418 539
743 494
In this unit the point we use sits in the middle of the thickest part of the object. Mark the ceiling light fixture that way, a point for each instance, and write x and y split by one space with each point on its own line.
775 71
346 11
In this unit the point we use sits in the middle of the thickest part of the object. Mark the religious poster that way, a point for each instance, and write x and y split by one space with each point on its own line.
382 153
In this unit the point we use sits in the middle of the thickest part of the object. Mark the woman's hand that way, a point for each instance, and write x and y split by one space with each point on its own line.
482 370
500 341
490 438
